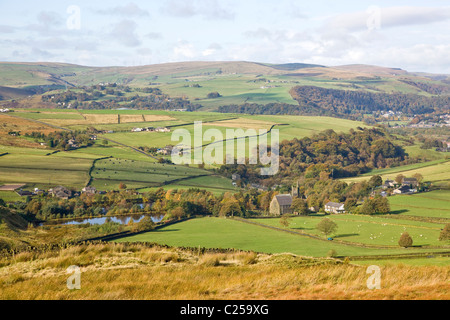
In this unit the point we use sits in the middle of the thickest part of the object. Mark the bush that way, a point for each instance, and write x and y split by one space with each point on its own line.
445 233
332 253
213 95
405 240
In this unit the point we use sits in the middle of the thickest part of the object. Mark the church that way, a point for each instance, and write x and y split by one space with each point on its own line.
281 203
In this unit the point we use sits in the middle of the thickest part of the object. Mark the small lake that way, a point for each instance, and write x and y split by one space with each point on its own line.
101 220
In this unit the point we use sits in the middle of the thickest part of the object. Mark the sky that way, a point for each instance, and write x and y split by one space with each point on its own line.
412 35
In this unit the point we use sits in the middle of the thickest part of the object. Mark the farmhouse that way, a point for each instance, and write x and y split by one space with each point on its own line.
334 207
159 129
60 192
410 182
235 176
24 193
89 190
388 183
166 150
281 204
405 189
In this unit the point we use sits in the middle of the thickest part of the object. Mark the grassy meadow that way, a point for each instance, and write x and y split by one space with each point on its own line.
44 171
109 173
437 172
229 233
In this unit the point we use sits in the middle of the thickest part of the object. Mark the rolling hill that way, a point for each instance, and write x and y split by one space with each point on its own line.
237 82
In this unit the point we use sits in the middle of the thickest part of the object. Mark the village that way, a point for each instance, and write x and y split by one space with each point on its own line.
283 203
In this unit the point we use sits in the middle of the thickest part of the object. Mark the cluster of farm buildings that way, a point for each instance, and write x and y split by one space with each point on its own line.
150 129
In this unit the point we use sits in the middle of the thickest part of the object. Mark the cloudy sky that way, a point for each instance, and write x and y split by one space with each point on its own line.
413 35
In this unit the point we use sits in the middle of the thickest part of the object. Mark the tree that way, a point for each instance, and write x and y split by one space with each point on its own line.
350 204
327 226
382 205
122 186
405 240
230 208
399 178
445 233
300 206
213 95
285 221
146 224
418 177
378 204
375 181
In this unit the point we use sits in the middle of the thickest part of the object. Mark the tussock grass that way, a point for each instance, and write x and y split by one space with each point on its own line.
137 271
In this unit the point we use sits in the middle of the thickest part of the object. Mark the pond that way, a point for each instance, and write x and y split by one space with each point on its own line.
101 220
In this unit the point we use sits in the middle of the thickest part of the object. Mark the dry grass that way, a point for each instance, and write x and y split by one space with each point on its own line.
123 271
8 124
242 123
90 119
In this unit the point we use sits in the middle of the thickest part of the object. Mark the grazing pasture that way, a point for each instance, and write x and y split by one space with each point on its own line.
108 174
228 233
44 171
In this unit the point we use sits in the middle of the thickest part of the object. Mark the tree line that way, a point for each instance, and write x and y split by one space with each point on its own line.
350 104
113 96
336 155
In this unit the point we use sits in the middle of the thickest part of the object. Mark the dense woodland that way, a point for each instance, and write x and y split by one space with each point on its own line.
114 96
335 155
349 104
432 88
332 101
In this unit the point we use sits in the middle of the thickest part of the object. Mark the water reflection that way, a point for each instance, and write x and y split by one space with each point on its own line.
101 220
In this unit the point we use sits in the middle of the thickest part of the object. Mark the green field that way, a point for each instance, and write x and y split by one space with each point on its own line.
437 172
44 171
356 235
214 184
434 204
228 233
108 174
371 230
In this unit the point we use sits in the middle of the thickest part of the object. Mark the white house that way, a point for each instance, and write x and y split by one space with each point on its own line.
334 207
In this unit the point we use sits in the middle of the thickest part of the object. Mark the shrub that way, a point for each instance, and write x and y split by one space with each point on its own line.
445 233
332 253
405 240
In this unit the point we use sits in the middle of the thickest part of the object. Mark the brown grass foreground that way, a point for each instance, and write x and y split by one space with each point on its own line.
135 271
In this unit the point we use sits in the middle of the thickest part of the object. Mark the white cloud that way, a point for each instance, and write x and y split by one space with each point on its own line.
388 17
208 9
124 32
183 50
128 10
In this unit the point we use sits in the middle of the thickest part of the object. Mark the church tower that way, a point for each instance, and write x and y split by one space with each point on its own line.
295 191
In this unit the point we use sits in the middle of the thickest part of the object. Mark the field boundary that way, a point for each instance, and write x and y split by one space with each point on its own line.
425 165
348 243
92 168
429 255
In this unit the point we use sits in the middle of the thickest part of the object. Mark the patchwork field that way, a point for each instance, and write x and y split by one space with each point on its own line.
434 204
371 230
44 171
437 172
228 233
108 174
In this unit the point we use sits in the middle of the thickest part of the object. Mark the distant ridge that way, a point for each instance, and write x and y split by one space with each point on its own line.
294 66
